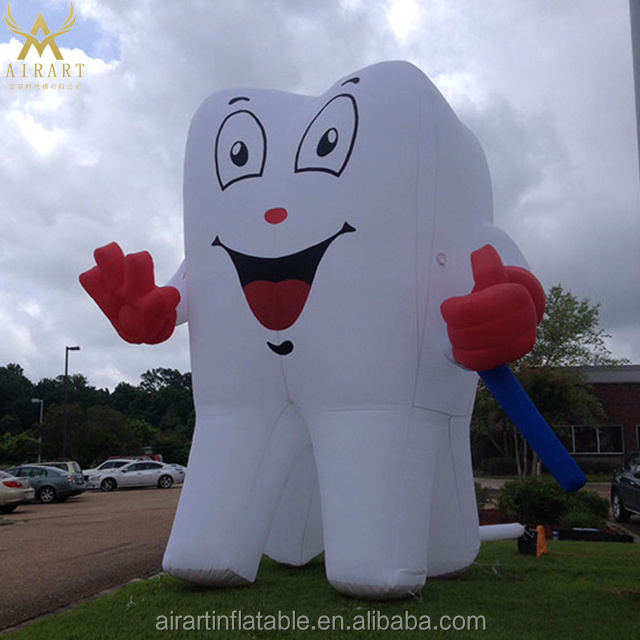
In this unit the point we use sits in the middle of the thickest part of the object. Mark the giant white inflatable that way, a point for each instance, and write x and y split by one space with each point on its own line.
322 236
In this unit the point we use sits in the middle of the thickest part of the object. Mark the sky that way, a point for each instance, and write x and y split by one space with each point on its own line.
547 87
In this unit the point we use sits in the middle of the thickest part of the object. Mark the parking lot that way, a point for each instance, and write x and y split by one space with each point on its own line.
55 555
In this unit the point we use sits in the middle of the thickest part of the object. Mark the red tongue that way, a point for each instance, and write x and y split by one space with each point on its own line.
277 305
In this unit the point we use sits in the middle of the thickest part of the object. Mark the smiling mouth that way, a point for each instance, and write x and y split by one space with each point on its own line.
277 289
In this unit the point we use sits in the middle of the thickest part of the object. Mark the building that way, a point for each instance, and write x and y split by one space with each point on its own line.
618 431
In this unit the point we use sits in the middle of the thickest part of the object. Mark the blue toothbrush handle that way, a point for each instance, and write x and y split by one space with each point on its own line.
519 407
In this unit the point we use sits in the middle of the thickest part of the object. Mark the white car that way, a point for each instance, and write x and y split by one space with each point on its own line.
14 491
136 473
107 466
179 467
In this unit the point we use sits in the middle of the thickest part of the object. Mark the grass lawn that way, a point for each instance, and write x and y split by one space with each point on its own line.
579 590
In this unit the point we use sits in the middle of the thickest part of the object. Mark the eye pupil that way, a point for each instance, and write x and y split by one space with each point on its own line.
239 154
328 142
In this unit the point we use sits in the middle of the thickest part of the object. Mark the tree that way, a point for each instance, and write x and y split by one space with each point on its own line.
15 449
93 434
169 399
162 378
568 337
159 413
145 432
51 390
569 334
105 432
174 445
13 384
16 411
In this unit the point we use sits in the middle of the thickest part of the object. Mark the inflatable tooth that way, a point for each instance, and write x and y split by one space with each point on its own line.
322 236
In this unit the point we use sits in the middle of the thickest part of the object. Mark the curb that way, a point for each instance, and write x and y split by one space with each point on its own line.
616 526
73 605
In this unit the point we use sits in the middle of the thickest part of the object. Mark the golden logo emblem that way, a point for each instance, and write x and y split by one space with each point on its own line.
40 24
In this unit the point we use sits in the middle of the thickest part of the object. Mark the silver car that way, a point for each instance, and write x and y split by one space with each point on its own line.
69 466
137 473
108 466
14 491
50 484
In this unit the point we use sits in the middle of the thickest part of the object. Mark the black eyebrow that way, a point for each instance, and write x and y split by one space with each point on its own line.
352 80
234 100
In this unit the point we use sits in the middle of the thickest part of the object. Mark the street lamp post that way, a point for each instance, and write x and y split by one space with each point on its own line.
41 403
66 398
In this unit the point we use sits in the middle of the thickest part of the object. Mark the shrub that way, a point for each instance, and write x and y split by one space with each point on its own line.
599 467
535 501
532 501
589 502
483 494
581 519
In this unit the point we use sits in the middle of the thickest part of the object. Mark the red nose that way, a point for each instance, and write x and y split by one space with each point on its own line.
276 216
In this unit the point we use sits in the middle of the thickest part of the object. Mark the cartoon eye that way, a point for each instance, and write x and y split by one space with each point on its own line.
241 148
328 141
239 154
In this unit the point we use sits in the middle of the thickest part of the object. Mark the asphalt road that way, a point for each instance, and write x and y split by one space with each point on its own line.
55 555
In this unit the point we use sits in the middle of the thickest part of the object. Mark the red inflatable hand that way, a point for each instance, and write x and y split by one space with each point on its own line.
496 323
124 288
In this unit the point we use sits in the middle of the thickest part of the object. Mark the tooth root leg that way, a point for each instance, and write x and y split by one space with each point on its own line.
238 470
376 474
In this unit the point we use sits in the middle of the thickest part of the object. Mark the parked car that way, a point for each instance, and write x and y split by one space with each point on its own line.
50 484
179 467
625 488
70 466
14 491
137 473
106 466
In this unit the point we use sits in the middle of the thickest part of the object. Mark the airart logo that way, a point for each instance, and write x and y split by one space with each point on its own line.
57 76
40 25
